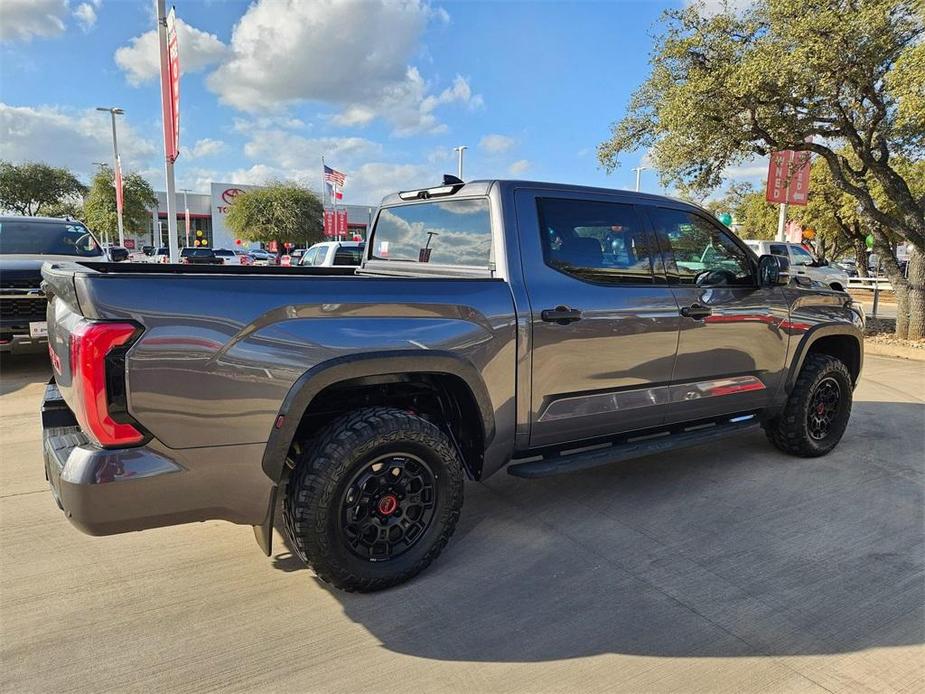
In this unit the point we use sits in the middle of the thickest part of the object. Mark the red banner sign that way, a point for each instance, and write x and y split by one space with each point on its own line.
172 105
329 229
342 223
788 177
120 199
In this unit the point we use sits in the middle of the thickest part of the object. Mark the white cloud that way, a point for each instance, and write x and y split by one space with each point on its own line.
86 14
495 144
70 138
289 151
518 167
141 62
278 154
21 20
205 147
352 55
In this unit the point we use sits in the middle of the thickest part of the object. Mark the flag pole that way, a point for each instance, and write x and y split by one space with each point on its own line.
167 107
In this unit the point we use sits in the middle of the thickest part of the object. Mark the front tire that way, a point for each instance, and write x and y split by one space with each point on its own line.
817 411
374 500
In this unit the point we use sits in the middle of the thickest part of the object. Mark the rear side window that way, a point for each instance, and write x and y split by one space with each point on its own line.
595 241
349 255
779 249
454 232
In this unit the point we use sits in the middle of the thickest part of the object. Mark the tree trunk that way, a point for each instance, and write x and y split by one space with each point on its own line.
915 289
910 289
860 256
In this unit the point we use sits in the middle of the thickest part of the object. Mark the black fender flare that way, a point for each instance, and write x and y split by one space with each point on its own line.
345 368
353 366
814 334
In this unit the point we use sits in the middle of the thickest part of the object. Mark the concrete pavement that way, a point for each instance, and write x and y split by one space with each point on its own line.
732 568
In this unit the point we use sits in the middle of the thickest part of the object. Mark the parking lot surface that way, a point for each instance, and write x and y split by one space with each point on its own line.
724 569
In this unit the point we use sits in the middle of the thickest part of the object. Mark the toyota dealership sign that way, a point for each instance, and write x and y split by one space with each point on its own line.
223 194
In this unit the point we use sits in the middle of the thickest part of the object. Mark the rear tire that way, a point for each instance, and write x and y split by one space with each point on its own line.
817 411
374 500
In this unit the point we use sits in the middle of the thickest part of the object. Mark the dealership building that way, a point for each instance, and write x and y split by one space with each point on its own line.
207 213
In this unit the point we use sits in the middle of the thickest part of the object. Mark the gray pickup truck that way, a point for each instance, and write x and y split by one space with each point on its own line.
547 328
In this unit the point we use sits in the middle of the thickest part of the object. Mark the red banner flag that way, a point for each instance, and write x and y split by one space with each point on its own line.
342 222
798 190
329 229
788 177
120 200
172 105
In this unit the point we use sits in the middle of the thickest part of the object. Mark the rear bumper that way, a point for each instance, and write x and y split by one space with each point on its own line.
17 342
110 491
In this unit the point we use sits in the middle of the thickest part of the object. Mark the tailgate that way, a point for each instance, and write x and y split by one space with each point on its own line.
63 316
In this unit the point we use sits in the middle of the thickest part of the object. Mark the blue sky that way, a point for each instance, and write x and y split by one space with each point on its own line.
385 91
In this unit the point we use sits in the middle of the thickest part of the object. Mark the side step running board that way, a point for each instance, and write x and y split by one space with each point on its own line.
561 464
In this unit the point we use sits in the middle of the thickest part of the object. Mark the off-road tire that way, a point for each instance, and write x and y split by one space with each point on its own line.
790 431
318 485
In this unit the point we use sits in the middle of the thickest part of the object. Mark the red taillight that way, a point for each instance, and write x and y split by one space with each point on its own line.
90 343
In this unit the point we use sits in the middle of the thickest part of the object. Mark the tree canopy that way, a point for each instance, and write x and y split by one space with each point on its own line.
282 211
805 75
34 188
99 211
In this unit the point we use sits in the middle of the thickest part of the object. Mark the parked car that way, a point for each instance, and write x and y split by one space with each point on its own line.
849 266
262 257
802 263
292 258
233 257
556 337
157 255
25 244
334 254
197 255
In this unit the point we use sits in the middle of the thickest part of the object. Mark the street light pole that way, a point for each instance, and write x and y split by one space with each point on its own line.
117 168
459 166
639 170
186 209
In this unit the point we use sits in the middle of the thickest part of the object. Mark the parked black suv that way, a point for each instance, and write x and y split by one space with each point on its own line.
25 244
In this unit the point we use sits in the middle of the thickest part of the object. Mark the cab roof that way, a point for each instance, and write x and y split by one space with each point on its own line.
482 186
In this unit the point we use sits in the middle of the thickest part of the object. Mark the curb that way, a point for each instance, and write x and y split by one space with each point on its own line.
896 351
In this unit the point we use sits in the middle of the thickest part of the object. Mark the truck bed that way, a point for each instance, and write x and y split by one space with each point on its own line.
204 269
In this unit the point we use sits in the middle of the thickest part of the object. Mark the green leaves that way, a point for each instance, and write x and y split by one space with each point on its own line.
281 211
99 211
816 75
36 189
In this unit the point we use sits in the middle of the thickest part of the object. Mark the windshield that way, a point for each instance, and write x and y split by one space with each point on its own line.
801 256
31 237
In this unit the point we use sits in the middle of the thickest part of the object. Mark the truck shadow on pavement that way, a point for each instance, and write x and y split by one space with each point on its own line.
723 551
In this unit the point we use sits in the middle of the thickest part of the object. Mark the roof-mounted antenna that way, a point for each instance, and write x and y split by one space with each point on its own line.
451 180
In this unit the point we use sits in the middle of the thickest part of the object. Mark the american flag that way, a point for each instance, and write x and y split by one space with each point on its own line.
333 176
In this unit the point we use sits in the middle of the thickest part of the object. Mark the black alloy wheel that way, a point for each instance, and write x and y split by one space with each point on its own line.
388 506
823 408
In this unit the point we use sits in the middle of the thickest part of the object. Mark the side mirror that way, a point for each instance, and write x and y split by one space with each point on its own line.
773 271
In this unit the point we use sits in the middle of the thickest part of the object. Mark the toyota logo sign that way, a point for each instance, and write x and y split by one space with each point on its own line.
230 194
